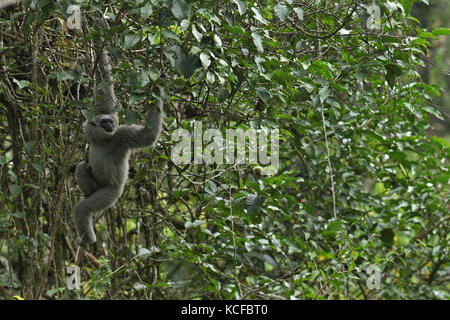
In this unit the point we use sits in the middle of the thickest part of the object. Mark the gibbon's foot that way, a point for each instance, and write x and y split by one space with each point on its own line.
85 229
85 240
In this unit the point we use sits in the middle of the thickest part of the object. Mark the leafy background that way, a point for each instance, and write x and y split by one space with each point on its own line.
363 178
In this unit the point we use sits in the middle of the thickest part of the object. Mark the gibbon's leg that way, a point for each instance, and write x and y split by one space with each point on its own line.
85 179
84 211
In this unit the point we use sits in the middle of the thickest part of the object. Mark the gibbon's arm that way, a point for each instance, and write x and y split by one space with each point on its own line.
105 98
136 136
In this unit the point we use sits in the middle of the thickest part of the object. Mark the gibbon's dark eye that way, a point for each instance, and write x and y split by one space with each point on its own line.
107 124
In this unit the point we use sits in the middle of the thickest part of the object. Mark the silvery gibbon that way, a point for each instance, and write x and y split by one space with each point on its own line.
103 177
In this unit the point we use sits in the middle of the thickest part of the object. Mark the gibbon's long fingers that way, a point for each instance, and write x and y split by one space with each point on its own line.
84 211
85 180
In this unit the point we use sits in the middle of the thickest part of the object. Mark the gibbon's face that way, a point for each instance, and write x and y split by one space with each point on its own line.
102 126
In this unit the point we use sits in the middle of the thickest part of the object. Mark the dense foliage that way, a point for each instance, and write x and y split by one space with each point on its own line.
359 184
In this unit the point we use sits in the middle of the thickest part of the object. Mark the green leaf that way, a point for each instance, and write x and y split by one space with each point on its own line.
253 203
258 41
210 77
322 68
441 31
18 215
335 226
433 111
170 34
218 41
133 98
130 117
283 77
143 78
442 178
144 253
29 19
407 4
88 114
38 167
180 9
184 25
299 13
223 94
281 11
195 224
14 189
16 15
324 93
315 273
63 75
393 71
427 35
293 247
22 83
432 89
198 36
153 73
205 59
258 16
185 65
131 40
146 11
421 41
41 4
387 236
29 145
242 6
154 38
263 94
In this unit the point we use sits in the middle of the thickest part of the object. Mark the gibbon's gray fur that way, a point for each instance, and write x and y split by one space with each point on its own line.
102 179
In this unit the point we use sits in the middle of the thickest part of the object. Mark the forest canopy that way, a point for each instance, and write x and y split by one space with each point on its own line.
357 206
